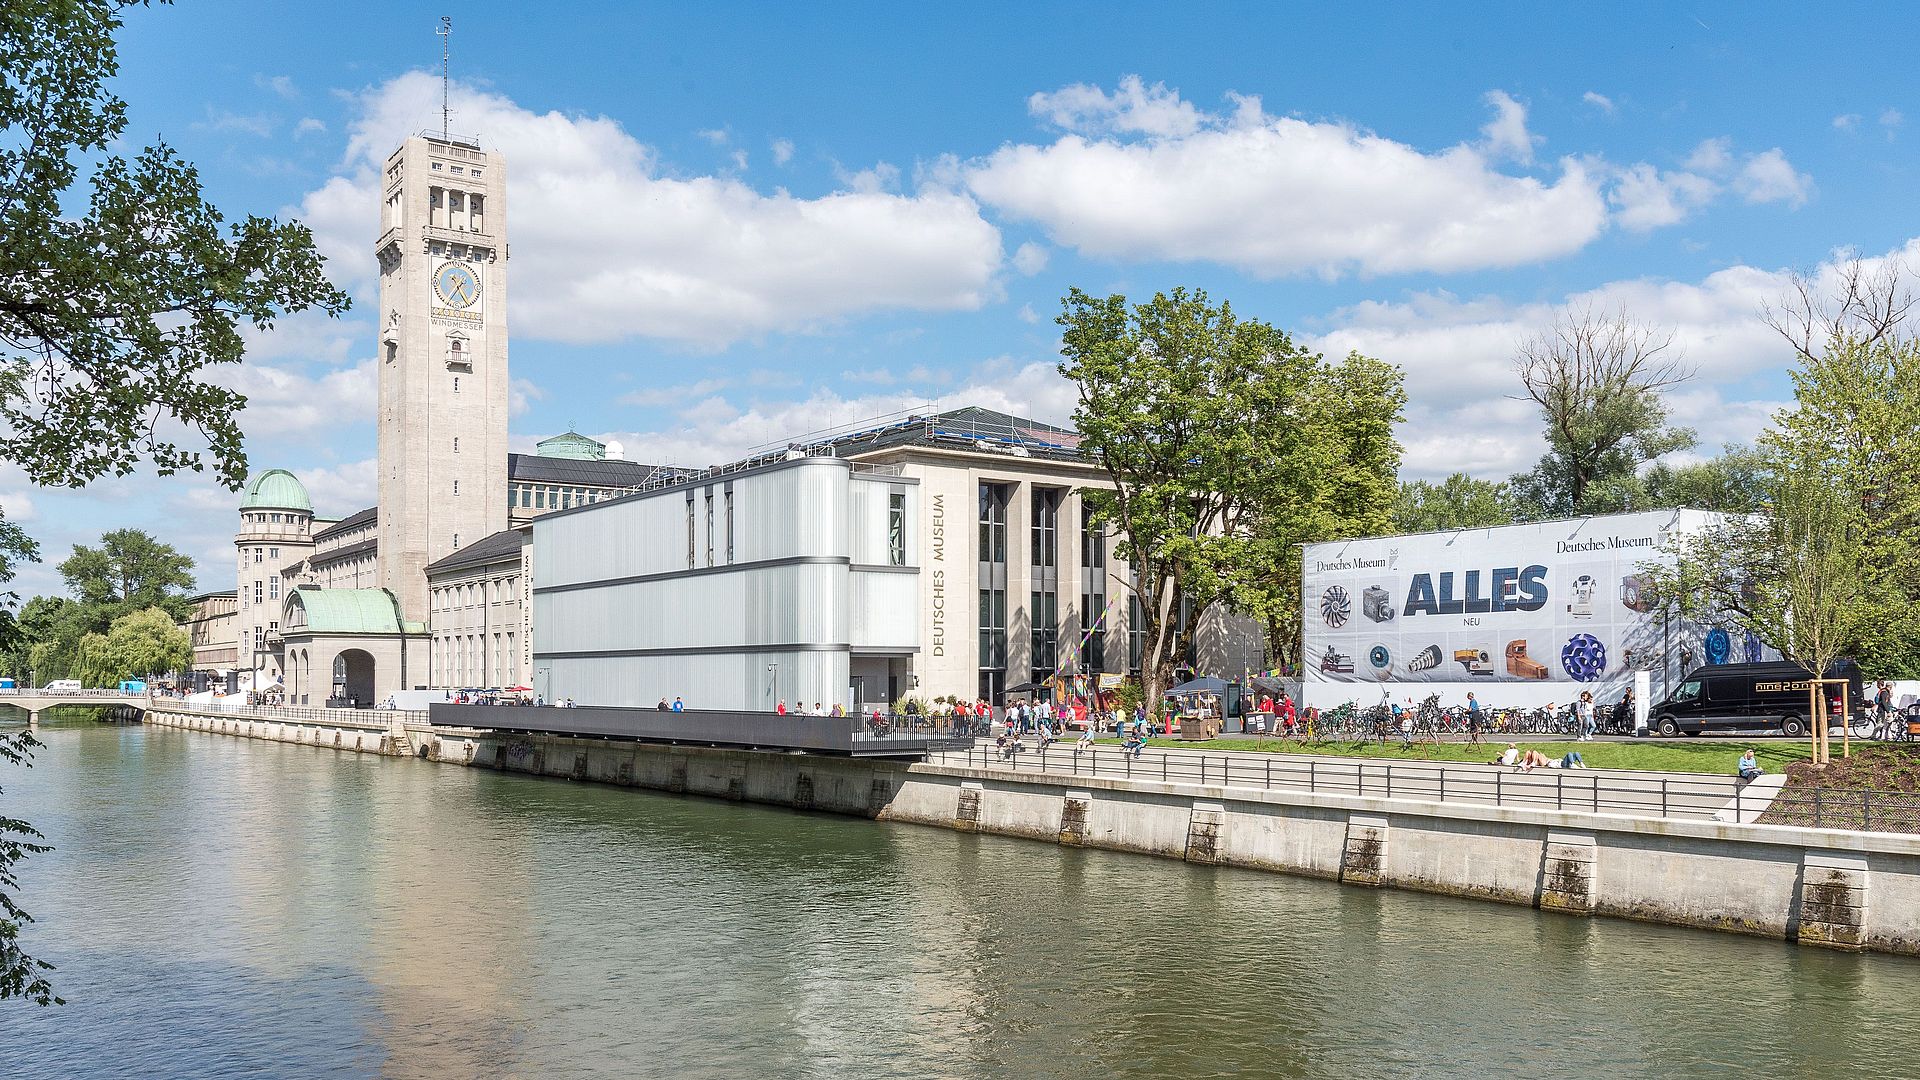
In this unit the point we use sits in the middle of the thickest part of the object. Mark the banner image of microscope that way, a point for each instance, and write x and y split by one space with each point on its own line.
1563 602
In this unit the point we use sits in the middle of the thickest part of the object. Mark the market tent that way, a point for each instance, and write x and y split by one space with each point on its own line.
1205 685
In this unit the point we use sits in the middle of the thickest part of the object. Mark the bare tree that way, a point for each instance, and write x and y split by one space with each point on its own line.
1861 301
1597 378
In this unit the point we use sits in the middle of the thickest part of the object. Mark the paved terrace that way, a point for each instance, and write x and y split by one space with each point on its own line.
1697 796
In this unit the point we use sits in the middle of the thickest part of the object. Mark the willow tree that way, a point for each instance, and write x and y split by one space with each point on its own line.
1227 445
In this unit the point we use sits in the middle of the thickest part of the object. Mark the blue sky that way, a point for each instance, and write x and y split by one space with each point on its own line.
735 223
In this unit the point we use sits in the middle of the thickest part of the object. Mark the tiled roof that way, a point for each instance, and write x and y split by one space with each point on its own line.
491 548
603 473
350 523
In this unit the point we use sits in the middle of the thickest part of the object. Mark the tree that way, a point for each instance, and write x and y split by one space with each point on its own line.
21 976
1597 379
1227 444
1339 483
1856 397
129 571
1458 502
115 300
144 644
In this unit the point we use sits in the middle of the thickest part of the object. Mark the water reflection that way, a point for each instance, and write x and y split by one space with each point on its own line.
220 907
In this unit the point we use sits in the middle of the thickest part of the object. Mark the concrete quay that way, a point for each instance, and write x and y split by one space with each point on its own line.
1827 888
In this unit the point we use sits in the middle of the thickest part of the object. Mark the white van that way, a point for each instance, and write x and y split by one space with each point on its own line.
62 684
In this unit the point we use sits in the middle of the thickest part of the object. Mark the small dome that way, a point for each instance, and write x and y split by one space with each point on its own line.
573 446
277 489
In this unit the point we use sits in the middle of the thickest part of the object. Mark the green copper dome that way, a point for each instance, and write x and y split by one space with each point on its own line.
277 489
573 446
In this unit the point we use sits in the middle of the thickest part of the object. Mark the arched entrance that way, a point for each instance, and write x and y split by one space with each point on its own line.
353 679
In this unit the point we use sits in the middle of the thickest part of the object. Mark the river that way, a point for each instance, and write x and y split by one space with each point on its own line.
223 907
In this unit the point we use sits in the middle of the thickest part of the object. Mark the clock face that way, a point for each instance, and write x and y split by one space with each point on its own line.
457 285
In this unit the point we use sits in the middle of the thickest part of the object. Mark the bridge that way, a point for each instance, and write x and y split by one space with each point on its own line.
34 702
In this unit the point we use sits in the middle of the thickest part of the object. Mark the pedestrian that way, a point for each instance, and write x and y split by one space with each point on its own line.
817 710
663 706
780 709
1583 711
677 706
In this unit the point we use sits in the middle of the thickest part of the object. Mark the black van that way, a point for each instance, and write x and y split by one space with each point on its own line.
1728 696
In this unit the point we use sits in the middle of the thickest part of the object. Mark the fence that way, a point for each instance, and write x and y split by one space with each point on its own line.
1578 790
295 713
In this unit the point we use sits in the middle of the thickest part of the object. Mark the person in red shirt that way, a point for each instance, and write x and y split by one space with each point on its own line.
780 709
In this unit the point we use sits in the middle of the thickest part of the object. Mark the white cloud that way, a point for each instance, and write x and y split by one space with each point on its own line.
716 430
1769 177
1712 156
1028 315
701 260
1030 258
1599 101
1847 121
521 394
222 120
339 490
282 401
669 395
1274 195
1645 198
716 136
18 506
782 151
1890 119
278 84
1134 108
309 126
1457 354
1506 134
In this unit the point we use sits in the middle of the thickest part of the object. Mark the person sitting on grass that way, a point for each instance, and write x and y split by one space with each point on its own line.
1749 767
1509 757
1085 742
1533 759
1573 760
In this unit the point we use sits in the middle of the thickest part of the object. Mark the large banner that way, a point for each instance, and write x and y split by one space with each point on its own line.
1560 602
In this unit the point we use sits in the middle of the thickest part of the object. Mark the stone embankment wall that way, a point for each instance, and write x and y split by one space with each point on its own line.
1843 890
359 730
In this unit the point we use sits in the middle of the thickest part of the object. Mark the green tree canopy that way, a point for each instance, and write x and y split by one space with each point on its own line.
1458 502
130 570
1597 378
1227 445
117 296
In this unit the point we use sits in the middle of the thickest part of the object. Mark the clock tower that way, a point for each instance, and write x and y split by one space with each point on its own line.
443 358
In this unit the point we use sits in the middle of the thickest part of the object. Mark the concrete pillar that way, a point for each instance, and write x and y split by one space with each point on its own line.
33 718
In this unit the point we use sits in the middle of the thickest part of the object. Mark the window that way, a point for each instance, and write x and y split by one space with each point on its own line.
273 588
1689 691
709 526
1136 632
456 384
456 539
275 518
456 488
259 554
256 590
729 524
436 168
456 444
259 639
1044 601
993 591
1093 592
540 498
689 530
897 529
274 554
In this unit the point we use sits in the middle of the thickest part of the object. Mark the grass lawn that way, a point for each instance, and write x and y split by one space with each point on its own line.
1719 756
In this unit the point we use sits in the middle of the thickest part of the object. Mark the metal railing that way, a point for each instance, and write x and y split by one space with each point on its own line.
104 691
1635 794
294 713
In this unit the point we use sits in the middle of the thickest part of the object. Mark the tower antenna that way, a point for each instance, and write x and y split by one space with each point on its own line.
446 34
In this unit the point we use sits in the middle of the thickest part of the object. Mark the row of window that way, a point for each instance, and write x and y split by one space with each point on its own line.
553 496
260 554
462 660
494 590
270 517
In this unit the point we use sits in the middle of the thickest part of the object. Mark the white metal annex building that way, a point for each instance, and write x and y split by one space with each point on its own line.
1520 614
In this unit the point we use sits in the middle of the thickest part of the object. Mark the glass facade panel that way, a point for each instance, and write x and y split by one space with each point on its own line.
1093 593
1044 606
993 591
